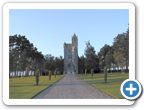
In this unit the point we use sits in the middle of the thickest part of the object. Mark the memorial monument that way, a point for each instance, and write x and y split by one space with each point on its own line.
71 56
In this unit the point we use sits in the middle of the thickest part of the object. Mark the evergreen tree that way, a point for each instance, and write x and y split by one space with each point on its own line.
23 61
102 54
121 50
92 61
81 63
108 60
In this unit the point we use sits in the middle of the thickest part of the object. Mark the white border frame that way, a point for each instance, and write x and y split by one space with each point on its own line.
8 6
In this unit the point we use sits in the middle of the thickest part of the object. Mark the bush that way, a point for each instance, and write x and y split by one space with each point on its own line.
49 75
37 76
92 73
55 73
105 74
58 73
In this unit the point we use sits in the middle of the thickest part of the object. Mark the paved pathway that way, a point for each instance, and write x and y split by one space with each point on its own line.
72 87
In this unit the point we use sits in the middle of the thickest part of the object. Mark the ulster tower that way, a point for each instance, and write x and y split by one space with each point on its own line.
71 56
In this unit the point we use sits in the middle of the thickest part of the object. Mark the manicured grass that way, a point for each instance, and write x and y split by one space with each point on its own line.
112 87
26 88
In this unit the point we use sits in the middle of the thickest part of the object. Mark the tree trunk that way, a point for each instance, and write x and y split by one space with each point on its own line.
126 67
9 75
27 73
115 68
15 74
122 70
31 73
34 73
23 73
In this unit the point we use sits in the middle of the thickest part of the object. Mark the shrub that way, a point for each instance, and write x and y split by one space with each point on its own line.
55 73
105 74
92 73
37 76
49 75
58 73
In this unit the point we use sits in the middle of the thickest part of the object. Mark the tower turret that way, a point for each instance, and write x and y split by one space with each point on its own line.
74 40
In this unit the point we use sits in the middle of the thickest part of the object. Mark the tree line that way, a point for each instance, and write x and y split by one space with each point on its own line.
113 57
25 58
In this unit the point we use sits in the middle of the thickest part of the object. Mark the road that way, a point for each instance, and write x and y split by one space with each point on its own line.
72 87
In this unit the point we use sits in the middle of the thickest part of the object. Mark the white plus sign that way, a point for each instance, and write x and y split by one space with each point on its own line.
131 89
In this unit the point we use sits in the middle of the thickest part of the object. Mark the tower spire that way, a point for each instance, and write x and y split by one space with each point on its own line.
74 34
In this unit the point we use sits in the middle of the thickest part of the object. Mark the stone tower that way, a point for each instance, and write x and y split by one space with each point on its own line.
71 56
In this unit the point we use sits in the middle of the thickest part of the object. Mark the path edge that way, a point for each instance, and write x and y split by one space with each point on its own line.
100 89
46 88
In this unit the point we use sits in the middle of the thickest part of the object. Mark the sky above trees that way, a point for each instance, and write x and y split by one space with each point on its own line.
49 29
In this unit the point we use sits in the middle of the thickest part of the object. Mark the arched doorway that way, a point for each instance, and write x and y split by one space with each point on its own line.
70 69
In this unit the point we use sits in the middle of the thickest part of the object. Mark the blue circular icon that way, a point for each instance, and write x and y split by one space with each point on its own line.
131 89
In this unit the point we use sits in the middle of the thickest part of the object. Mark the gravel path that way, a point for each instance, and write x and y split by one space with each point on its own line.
72 87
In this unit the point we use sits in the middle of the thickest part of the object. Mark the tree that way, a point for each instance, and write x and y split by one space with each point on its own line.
121 47
92 61
35 60
13 61
50 63
47 56
23 61
61 65
119 59
58 63
102 54
33 66
12 41
81 63
108 60
38 62
126 49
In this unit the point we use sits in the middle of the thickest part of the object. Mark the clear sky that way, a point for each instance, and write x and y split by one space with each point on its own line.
48 29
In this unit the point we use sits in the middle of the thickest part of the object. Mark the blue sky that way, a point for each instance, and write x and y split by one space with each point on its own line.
48 29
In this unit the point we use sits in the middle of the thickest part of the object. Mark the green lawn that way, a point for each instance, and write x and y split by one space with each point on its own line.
112 88
26 88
